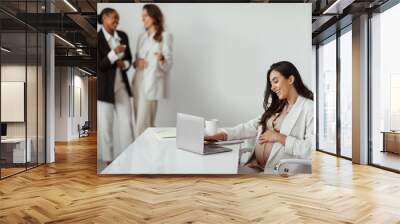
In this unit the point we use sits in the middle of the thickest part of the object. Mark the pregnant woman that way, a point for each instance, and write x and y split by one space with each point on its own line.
285 129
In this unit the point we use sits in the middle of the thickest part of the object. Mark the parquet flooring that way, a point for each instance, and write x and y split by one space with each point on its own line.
10 171
70 191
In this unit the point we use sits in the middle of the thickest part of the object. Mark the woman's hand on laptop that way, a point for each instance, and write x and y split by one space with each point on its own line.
221 136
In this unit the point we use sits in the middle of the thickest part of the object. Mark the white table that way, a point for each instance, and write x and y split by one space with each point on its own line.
18 150
151 155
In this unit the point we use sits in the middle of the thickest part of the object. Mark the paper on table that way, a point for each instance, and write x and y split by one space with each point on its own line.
166 133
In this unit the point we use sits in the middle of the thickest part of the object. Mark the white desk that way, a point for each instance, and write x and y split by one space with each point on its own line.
18 150
151 155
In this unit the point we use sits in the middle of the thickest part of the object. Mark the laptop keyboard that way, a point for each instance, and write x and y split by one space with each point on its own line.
210 149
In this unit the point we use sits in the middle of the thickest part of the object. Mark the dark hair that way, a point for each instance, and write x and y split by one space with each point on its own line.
272 104
158 19
105 11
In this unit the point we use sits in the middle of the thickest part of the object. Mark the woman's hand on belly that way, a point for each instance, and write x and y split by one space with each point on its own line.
272 136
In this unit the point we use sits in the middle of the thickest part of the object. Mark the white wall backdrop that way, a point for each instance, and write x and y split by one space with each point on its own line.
71 102
222 52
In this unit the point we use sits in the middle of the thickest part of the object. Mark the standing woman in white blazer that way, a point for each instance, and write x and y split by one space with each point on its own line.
153 63
286 128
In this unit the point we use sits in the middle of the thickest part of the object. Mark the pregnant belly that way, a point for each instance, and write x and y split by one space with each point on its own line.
262 152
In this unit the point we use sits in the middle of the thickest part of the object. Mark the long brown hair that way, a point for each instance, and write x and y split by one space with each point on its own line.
158 20
272 104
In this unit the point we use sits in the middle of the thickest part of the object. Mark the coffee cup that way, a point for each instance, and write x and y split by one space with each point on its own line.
211 127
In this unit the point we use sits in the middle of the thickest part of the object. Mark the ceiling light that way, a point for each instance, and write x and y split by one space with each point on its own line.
331 7
5 50
70 5
64 40
338 6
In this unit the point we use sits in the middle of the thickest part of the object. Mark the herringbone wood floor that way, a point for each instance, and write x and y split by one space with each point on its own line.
70 191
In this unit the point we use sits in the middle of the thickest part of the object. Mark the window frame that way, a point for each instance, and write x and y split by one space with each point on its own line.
334 37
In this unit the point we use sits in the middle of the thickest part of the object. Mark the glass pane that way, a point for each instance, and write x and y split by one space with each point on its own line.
23 95
385 86
327 97
13 86
346 94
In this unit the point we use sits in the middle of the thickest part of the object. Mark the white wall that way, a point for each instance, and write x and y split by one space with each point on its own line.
222 53
67 80
80 83
61 103
13 109
33 126
17 73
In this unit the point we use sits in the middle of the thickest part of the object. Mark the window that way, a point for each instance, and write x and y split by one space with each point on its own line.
394 101
327 96
385 89
346 93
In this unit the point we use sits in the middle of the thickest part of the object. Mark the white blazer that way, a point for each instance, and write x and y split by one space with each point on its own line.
155 74
298 126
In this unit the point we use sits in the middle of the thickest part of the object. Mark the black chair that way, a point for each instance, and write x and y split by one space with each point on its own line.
84 130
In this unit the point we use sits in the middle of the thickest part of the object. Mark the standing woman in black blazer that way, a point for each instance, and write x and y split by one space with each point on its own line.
113 90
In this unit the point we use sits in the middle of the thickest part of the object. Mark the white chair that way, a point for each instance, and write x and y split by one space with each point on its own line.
286 167
289 167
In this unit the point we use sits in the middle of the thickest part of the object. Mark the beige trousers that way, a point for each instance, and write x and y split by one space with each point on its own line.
145 110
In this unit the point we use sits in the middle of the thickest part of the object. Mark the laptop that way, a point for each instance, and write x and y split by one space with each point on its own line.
190 136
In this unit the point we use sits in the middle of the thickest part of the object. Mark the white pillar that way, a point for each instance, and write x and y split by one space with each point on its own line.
360 90
50 92
50 98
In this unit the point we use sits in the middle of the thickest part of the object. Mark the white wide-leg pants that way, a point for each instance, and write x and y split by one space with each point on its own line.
115 125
